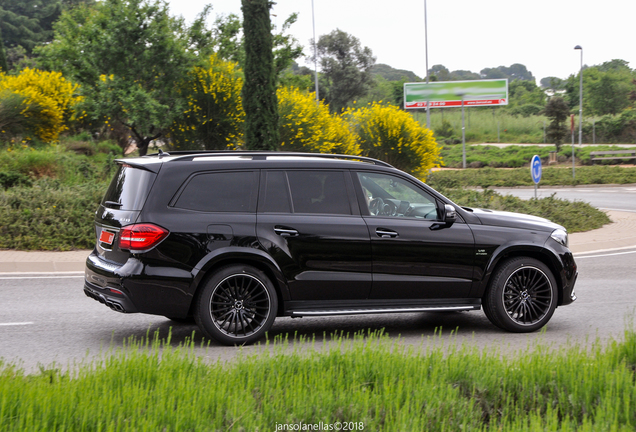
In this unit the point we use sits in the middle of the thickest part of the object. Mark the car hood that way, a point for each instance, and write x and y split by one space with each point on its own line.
514 220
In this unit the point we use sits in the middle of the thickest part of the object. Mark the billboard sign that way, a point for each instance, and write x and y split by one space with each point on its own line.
448 94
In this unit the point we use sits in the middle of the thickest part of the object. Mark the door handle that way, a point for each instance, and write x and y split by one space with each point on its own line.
385 233
285 232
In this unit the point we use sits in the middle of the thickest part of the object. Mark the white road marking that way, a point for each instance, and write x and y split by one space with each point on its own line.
604 255
16 324
14 276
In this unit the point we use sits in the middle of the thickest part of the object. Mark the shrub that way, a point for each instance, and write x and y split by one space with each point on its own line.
49 216
575 216
305 125
46 100
388 133
214 117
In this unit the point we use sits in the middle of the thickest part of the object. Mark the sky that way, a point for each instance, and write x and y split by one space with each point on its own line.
462 34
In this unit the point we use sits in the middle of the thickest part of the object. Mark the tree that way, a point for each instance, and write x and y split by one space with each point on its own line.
440 72
558 111
28 22
516 71
129 57
392 74
526 98
259 88
346 68
553 84
229 42
606 92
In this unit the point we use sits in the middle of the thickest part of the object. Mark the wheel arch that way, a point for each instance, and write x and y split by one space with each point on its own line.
546 256
253 257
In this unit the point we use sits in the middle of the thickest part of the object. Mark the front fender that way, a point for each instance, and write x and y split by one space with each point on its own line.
487 266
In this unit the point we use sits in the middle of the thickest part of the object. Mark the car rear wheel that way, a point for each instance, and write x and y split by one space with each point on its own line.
237 305
522 295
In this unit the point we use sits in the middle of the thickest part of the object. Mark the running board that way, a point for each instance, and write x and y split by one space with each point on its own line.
356 311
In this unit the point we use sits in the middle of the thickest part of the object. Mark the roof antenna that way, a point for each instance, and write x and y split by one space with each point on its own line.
162 154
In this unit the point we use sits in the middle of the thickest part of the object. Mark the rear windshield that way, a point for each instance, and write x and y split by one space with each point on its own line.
129 188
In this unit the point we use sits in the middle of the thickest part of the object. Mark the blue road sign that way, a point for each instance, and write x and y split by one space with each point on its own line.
535 169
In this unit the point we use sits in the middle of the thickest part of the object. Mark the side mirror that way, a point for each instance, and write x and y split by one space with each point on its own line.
448 219
450 214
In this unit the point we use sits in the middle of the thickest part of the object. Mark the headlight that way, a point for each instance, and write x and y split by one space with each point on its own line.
561 236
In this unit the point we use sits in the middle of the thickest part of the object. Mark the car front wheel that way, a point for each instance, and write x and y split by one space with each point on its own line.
237 305
522 295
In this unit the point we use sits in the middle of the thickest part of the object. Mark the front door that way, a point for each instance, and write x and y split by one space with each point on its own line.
414 254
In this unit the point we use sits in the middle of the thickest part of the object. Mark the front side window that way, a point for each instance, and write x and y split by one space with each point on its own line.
219 192
388 195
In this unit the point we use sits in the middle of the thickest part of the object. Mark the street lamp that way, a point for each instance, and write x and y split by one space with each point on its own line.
313 23
579 47
428 108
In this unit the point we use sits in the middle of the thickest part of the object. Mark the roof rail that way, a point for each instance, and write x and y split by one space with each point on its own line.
189 154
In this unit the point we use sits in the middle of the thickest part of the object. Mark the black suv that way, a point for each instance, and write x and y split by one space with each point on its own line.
234 239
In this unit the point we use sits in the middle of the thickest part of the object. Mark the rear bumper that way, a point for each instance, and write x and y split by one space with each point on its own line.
113 298
137 286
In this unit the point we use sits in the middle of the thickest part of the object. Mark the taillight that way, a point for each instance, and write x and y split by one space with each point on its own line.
141 237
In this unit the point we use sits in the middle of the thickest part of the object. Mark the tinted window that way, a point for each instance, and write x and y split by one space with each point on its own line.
322 192
388 195
219 192
276 199
129 188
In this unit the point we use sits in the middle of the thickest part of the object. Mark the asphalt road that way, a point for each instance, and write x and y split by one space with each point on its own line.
48 319
622 198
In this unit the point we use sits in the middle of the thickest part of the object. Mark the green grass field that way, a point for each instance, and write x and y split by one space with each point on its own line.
371 382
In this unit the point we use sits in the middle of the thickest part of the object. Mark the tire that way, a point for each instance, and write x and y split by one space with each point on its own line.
521 296
237 305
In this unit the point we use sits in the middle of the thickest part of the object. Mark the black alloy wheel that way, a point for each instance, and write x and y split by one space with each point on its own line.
237 306
522 295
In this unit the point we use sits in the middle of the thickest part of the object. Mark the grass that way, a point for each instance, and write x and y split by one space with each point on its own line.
485 125
372 381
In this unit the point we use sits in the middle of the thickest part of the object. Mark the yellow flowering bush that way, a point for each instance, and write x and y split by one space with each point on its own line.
390 134
46 101
307 126
214 116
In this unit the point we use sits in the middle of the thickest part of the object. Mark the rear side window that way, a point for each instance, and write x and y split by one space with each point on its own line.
220 192
321 192
129 188
276 197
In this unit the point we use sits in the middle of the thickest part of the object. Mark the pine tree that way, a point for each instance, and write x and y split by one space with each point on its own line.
259 88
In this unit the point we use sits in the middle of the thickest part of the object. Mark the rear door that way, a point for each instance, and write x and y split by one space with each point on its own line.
310 223
415 256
